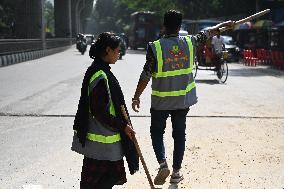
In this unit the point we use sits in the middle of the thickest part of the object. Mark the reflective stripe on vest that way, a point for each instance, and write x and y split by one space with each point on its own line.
98 137
94 77
159 55
168 75
103 139
174 93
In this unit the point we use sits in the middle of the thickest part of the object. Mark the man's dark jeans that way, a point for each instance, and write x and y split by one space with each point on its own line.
218 57
157 129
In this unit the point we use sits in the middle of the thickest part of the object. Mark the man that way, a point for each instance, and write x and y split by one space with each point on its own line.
218 46
169 63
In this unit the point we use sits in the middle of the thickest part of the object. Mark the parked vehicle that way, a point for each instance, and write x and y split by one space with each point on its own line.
89 38
231 48
144 27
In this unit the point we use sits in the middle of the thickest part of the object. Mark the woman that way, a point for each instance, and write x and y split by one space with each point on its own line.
101 132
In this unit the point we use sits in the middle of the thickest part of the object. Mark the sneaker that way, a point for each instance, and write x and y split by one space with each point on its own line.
176 177
162 175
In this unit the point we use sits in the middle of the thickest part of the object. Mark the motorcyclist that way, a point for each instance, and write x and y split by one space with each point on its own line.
82 45
78 40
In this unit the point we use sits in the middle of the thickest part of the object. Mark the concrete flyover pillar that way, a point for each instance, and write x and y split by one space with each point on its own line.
29 19
62 18
74 16
85 13
81 7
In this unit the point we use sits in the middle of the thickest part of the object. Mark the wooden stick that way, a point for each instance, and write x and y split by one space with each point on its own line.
138 149
254 16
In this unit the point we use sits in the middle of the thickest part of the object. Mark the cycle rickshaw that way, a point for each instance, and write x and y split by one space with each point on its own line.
206 60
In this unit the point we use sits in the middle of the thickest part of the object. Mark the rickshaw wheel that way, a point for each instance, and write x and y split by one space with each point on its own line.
224 72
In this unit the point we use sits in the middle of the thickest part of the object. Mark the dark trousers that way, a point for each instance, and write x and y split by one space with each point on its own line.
102 174
218 57
157 129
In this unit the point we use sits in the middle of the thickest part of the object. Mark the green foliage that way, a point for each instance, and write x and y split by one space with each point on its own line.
158 6
114 15
7 17
49 17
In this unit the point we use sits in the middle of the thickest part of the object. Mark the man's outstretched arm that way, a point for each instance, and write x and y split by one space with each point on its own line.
214 29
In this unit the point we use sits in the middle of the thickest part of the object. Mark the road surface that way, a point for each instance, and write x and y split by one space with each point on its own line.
235 134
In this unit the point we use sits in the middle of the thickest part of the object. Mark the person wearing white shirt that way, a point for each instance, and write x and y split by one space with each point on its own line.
218 46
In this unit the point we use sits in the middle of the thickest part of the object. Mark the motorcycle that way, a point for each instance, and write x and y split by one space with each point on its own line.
82 46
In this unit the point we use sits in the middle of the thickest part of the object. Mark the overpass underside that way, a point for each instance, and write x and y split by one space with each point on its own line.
31 42
69 16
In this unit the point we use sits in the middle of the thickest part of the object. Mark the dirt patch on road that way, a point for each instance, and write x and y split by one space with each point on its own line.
221 153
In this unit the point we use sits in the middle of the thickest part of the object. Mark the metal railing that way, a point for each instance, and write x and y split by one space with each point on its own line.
11 46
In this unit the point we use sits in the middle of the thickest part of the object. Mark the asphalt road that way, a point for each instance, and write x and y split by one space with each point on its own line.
235 134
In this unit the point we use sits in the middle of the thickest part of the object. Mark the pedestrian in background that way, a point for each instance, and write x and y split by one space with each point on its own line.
101 133
169 62
218 47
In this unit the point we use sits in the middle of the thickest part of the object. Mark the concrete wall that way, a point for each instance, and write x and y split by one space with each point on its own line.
10 59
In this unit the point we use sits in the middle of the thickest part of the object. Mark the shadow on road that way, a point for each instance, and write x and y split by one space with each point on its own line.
255 72
208 81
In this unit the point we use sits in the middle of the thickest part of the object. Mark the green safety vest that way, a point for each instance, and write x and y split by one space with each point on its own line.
173 86
101 143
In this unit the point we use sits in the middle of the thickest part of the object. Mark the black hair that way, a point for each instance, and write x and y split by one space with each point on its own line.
104 40
172 20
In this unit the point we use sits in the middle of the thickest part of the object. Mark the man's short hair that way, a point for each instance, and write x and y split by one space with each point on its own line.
172 19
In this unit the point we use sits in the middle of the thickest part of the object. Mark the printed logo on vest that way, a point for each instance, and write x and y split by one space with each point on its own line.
177 58
175 52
